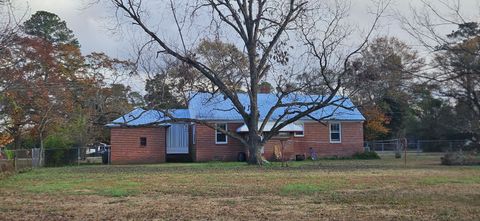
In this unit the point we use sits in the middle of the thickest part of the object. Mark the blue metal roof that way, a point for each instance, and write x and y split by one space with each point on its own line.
139 117
205 106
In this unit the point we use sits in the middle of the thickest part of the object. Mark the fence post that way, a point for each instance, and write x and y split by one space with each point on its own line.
15 160
33 163
418 147
383 146
42 157
405 147
78 156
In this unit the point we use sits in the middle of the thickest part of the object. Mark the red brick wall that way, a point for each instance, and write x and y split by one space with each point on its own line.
125 144
316 136
207 150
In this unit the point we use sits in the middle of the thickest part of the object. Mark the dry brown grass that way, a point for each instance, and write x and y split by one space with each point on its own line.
330 189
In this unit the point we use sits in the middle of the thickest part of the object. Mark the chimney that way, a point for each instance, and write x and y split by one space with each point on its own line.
265 88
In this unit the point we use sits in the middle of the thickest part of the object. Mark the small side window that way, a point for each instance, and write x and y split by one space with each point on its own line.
335 133
221 138
143 141
300 133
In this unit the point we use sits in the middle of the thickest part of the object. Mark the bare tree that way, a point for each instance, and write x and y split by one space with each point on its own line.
267 31
8 22
431 22
9 25
170 81
452 39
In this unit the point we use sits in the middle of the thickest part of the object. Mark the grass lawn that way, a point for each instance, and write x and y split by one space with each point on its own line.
383 189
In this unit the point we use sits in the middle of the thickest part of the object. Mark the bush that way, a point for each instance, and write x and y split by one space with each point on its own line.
460 158
57 141
335 158
58 152
398 155
60 157
367 155
10 154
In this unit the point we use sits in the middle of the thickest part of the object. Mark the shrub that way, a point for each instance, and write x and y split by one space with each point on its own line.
60 157
58 152
367 155
460 158
398 155
57 141
336 158
10 154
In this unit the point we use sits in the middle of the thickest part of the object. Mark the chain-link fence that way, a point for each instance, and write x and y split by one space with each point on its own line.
419 145
449 152
16 160
22 159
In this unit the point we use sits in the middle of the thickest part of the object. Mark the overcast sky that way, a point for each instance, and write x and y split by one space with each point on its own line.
91 24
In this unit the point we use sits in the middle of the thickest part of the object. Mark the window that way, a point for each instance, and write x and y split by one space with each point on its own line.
143 141
299 133
221 138
335 133
283 134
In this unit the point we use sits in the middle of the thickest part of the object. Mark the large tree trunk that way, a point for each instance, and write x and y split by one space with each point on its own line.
16 132
17 139
255 149
255 156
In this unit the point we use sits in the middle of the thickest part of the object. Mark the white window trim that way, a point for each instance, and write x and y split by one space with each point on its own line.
226 136
330 132
303 132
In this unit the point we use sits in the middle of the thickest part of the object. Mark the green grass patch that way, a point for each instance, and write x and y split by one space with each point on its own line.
68 181
118 192
440 180
56 187
86 187
367 155
200 165
384 189
306 188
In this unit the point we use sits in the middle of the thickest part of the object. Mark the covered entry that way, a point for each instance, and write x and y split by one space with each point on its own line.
177 139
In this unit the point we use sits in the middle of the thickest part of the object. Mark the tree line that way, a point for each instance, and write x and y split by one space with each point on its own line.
52 95
401 94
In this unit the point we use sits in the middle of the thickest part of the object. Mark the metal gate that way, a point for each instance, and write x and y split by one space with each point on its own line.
37 157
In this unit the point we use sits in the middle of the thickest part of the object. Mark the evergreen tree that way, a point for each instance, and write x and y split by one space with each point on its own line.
50 27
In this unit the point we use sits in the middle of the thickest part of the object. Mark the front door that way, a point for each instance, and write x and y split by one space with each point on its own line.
177 139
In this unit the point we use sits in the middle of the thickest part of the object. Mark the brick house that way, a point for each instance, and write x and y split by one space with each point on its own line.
142 136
